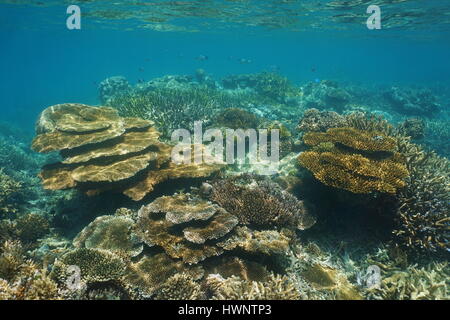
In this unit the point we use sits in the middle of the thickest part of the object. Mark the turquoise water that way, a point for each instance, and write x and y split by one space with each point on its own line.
51 64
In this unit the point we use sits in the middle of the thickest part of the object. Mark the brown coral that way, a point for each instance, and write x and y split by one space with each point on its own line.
356 160
276 287
102 151
179 240
149 273
260 202
113 233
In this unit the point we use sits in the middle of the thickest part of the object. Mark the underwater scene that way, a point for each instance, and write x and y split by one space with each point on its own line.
225 150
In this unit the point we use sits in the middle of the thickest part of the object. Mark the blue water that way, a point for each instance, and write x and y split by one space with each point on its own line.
42 63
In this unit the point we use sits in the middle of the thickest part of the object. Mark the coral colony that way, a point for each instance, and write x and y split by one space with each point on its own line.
204 226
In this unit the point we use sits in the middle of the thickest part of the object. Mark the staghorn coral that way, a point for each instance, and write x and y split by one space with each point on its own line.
416 283
355 160
276 287
21 278
113 233
260 202
412 127
12 259
179 240
169 108
105 152
423 220
111 87
31 227
8 188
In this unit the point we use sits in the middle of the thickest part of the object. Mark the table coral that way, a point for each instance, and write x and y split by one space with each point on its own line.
183 241
104 152
114 233
356 160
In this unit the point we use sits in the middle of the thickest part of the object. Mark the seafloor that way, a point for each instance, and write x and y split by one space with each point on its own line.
92 208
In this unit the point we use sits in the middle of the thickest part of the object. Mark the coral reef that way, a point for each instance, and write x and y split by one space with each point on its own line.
412 102
21 278
8 188
424 204
179 287
30 227
146 276
258 201
325 95
103 152
169 108
314 120
236 118
356 160
111 87
95 265
113 233
186 242
412 127
233 288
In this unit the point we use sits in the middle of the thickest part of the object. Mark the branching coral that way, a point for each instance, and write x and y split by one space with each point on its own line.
31 227
355 160
169 108
8 188
412 101
424 205
179 287
260 202
236 118
103 151
233 288
21 278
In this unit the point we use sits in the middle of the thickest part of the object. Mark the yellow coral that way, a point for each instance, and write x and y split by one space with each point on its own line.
355 160
102 151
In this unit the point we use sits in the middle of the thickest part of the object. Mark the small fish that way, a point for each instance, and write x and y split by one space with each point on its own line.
202 58
245 61
317 80
313 69
377 138
141 69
